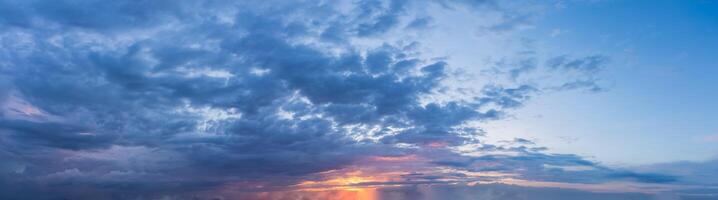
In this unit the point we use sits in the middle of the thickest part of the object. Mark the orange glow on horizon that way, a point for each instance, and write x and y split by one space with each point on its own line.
344 187
346 181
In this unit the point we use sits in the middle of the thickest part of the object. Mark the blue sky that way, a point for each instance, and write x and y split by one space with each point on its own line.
659 106
358 99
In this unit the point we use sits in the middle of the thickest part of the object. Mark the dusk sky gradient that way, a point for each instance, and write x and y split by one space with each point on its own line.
359 100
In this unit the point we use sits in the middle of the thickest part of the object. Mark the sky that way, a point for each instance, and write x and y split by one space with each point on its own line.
359 100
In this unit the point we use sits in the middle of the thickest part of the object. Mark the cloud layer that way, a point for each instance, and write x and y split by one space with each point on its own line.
160 99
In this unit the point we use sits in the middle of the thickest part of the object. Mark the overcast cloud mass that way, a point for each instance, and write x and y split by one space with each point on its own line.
299 100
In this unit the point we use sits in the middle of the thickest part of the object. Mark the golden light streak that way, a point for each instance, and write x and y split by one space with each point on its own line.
343 181
396 158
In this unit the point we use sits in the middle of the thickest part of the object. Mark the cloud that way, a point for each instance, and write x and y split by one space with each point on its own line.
420 23
695 173
159 99
557 73
114 82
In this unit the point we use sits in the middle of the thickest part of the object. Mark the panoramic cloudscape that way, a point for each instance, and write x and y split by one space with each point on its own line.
358 99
